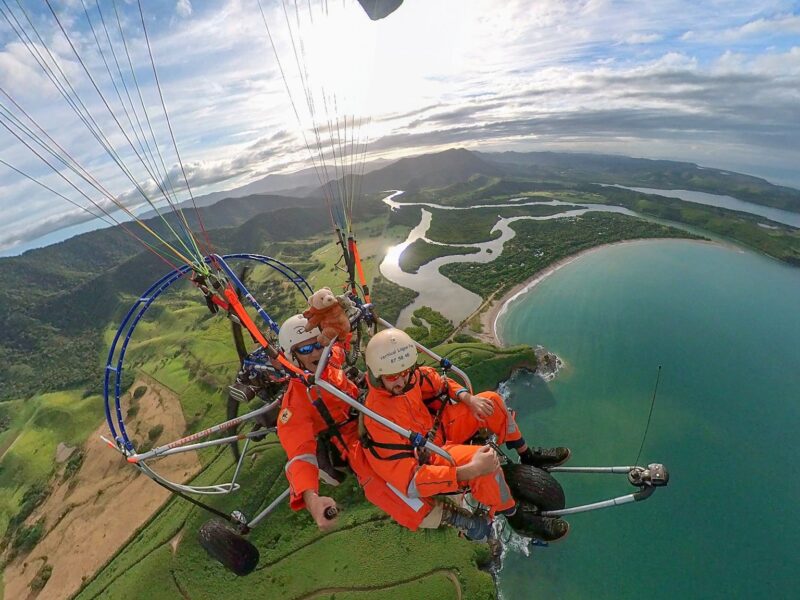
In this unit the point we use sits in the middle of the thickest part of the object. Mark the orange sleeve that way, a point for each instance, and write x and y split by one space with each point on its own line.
431 383
453 388
338 356
439 384
296 434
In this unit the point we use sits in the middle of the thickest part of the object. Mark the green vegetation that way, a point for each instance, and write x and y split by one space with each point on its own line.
62 312
27 537
65 296
482 189
154 432
541 243
296 558
464 338
405 216
456 227
391 298
73 464
485 364
776 240
24 538
27 465
420 253
42 577
429 327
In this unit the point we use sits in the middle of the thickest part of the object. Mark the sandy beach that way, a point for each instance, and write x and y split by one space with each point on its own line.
490 316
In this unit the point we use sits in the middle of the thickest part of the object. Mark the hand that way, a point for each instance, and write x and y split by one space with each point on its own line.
481 407
316 506
485 461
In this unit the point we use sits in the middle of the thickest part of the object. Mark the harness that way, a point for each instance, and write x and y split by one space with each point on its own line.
414 449
416 446
333 427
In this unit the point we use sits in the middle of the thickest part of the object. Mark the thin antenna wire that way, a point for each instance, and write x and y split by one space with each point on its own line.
652 405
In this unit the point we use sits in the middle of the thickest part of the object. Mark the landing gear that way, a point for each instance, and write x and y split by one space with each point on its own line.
228 547
534 486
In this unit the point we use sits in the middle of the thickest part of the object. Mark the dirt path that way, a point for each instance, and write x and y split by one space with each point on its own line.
91 515
451 574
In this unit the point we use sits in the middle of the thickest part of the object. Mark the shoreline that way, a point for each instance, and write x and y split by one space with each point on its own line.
497 308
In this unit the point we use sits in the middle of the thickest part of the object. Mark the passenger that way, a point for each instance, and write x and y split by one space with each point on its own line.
460 422
307 413
398 390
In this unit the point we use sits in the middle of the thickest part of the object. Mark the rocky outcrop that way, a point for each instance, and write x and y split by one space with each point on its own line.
547 363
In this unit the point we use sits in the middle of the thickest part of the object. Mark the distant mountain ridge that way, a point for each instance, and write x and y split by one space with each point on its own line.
299 184
431 170
645 172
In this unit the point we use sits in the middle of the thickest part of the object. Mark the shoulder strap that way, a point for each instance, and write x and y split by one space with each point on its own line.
333 428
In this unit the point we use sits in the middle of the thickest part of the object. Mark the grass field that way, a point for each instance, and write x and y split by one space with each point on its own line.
367 553
368 556
38 425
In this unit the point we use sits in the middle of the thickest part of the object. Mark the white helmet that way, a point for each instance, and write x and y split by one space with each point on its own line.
292 332
390 351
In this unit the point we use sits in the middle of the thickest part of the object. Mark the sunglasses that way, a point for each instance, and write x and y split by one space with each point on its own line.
308 348
396 376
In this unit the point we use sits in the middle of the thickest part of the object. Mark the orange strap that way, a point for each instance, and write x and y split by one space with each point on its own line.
236 305
357 260
219 302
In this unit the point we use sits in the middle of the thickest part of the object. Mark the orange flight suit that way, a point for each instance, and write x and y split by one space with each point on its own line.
299 423
458 424
401 468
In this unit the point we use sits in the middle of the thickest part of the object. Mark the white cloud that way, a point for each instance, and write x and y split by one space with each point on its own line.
783 24
184 8
732 30
643 38
590 73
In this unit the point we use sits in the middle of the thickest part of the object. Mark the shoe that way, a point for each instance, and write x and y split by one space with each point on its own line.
527 522
475 528
508 512
545 457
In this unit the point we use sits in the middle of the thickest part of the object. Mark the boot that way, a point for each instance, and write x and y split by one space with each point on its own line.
474 527
545 457
527 522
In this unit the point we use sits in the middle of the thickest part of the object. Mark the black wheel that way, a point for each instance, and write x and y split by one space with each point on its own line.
527 522
228 547
535 486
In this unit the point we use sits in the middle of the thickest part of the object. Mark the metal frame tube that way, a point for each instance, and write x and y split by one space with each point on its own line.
617 470
181 445
643 494
272 506
208 444
406 433
219 488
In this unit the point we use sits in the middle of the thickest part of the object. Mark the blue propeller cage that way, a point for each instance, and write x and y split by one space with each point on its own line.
112 380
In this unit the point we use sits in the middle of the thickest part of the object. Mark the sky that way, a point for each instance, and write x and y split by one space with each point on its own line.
715 82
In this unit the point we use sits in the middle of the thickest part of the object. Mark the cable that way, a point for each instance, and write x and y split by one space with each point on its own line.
652 405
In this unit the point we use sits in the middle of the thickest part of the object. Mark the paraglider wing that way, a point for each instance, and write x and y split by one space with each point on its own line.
378 9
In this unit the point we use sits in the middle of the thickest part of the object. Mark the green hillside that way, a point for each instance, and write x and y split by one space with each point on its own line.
358 559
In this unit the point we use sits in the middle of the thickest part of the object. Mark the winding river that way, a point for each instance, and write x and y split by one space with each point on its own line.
436 290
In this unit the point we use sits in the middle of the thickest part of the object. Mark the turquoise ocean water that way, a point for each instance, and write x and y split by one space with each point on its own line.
725 326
